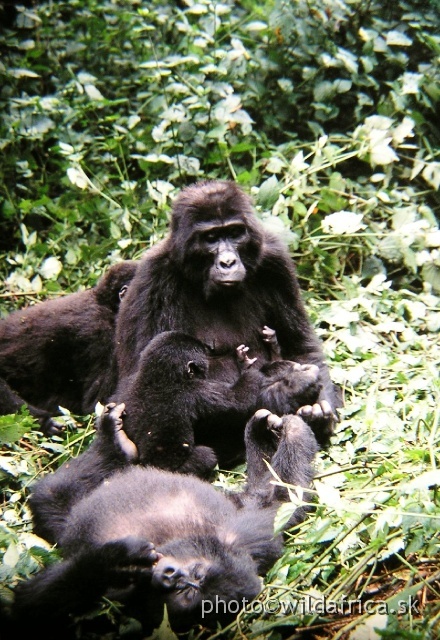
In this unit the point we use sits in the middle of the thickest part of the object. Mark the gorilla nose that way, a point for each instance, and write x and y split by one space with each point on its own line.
169 575
227 260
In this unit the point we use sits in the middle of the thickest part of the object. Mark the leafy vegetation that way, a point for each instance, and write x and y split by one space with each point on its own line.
325 113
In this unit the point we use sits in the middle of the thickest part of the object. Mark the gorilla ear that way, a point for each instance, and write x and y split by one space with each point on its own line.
123 291
194 370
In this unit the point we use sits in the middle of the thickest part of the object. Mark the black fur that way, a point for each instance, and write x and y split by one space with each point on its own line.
221 277
148 537
59 352
158 407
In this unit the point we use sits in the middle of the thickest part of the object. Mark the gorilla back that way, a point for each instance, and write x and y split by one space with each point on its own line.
59 352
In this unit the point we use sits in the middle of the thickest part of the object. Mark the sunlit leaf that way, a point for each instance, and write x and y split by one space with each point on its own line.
51 268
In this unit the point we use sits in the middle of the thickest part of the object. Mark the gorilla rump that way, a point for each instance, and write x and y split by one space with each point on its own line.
221 277
158 407
59 352
148 537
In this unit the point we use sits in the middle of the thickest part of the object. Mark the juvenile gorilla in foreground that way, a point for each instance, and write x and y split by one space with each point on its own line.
220 276
162 402
59 352
148 537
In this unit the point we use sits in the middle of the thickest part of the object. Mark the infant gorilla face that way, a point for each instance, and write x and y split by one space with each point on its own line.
190 576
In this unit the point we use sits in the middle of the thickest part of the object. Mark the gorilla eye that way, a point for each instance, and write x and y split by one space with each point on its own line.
237 231
211 236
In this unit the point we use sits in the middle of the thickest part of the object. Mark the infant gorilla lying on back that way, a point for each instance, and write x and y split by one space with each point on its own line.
148 537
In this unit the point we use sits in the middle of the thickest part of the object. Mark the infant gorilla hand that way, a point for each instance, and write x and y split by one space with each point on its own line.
127 558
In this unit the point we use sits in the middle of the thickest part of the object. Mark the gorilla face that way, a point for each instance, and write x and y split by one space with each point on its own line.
202 580
215 235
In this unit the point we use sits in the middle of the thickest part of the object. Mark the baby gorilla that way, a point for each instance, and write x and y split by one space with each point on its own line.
148 537
161 406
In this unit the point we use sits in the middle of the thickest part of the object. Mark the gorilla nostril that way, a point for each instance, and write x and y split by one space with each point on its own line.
228 262
170 574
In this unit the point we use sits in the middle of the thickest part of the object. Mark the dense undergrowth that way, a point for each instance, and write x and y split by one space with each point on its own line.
325 112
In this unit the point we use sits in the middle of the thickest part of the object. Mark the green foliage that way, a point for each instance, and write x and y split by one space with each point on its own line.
128 102
14 426
325 112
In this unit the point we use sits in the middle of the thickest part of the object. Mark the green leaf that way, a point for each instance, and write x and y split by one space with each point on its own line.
431 273
268 193
283 515
14 426
397 38
164 631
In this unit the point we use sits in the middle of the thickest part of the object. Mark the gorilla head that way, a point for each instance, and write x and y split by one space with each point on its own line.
215 236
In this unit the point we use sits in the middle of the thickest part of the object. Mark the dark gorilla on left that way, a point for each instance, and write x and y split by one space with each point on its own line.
59 352
148 537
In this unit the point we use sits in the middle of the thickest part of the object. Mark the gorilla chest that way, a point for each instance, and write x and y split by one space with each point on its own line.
224 327
223 333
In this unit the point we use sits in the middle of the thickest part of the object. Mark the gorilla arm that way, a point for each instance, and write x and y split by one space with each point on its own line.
86 577
296 338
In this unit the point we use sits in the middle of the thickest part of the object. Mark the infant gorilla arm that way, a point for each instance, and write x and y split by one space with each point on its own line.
59 352
148 537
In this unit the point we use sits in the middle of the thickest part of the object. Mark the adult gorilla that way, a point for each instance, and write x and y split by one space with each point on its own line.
222 277
59 352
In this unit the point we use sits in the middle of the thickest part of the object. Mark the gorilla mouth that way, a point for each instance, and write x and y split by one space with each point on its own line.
228 280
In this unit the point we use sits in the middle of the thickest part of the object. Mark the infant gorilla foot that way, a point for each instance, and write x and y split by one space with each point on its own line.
295 429
269 434
243 358
263 431
321 418
112 427
289 426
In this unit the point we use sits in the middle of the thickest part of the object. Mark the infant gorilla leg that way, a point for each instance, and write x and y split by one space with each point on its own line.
54 495
289 446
